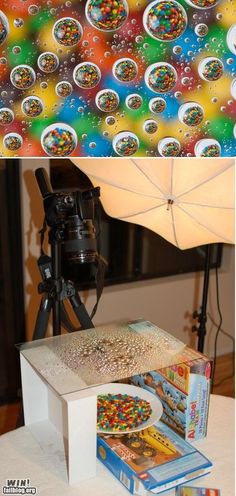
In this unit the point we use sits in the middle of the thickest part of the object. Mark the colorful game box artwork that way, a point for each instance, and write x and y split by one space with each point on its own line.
117 78
197 491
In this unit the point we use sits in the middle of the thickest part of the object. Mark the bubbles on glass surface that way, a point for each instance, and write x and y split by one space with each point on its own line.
150 126
157 105
23 77
110 120
165 20
4 27
107 100
169 147
32 106
191 114
233 89
125 70
202 4
133 101
211 69
63 89
160 77
67 31
12 141
6 116
231 39
207 148
125 144
201 30
18 22
59 140
108 15
33 9
48 62
87 75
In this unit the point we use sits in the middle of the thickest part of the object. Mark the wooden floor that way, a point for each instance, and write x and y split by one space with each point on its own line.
224 385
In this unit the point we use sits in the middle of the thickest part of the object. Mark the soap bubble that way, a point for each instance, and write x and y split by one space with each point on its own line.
22 77
18 23
48 62
110 120
231 39
108 15
150 126
67 31
87 75
107 100
32 106
201 30
33 10
160 77
157 105
63 89
59 140
165 20
210 69
12 141
125 70
191 114
6 116
169 147
233 89
207 148
133 101
125 144
4 27
202 4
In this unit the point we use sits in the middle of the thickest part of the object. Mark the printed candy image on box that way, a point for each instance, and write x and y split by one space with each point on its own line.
197 491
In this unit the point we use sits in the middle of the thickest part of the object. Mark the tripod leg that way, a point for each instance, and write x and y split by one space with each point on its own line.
42 319
81 312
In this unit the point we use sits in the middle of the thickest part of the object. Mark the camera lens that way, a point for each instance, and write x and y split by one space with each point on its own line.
80 244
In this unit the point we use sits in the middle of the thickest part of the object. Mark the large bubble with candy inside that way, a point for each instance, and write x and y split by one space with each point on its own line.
160 77
207 148
4 27
133 101
59 140
125 70
32 106
211 69
201 30
202 4
165 20
231 39
157 105
67 31
107 100
63 89
87 75
107 15
22 77
191 114
233 89
6 116
169 147
48 62
12 141
125 144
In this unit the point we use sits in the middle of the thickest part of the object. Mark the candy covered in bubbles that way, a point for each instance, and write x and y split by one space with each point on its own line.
87 75
12 141
125 70
125 144
202 4
150 126
63 89
160 77
4 27
107 15
211 69
207 148
231 39
233 89
23 77
107 100
157 105
133 101
169 147
48 62
59 140
165 20
191 114
201 30
6 116
32 106
67 31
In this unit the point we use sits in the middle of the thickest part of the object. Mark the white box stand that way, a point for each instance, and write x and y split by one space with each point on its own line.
64 426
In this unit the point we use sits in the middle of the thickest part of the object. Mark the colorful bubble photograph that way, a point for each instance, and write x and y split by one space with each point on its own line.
117 78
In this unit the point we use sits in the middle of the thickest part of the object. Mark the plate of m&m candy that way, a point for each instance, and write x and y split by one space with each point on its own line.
125 408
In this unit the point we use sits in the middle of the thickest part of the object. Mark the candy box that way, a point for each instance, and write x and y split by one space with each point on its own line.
154 459
197 491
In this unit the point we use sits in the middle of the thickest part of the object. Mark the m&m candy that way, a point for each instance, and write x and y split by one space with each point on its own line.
211 69
107 100
125 70
121 412
133 101
165 20
32 106
191 114
59 140
160 77
107 15
12 141
67 31
23 77
207 148
87 75
169 147
6 116
48 62
125 144
4 27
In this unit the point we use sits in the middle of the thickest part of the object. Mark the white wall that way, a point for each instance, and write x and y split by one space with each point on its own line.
168 302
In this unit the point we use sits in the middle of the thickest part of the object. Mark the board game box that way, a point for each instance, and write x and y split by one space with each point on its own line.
154 459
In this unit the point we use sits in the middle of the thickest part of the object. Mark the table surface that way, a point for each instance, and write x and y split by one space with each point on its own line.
22 458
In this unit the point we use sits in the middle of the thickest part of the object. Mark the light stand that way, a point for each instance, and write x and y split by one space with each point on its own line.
202 315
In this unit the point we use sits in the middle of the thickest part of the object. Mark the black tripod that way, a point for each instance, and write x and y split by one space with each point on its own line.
202 315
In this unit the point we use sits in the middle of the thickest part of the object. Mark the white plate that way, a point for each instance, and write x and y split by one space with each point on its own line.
116 388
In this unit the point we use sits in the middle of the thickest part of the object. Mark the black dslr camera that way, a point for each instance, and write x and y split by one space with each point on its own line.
71 218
